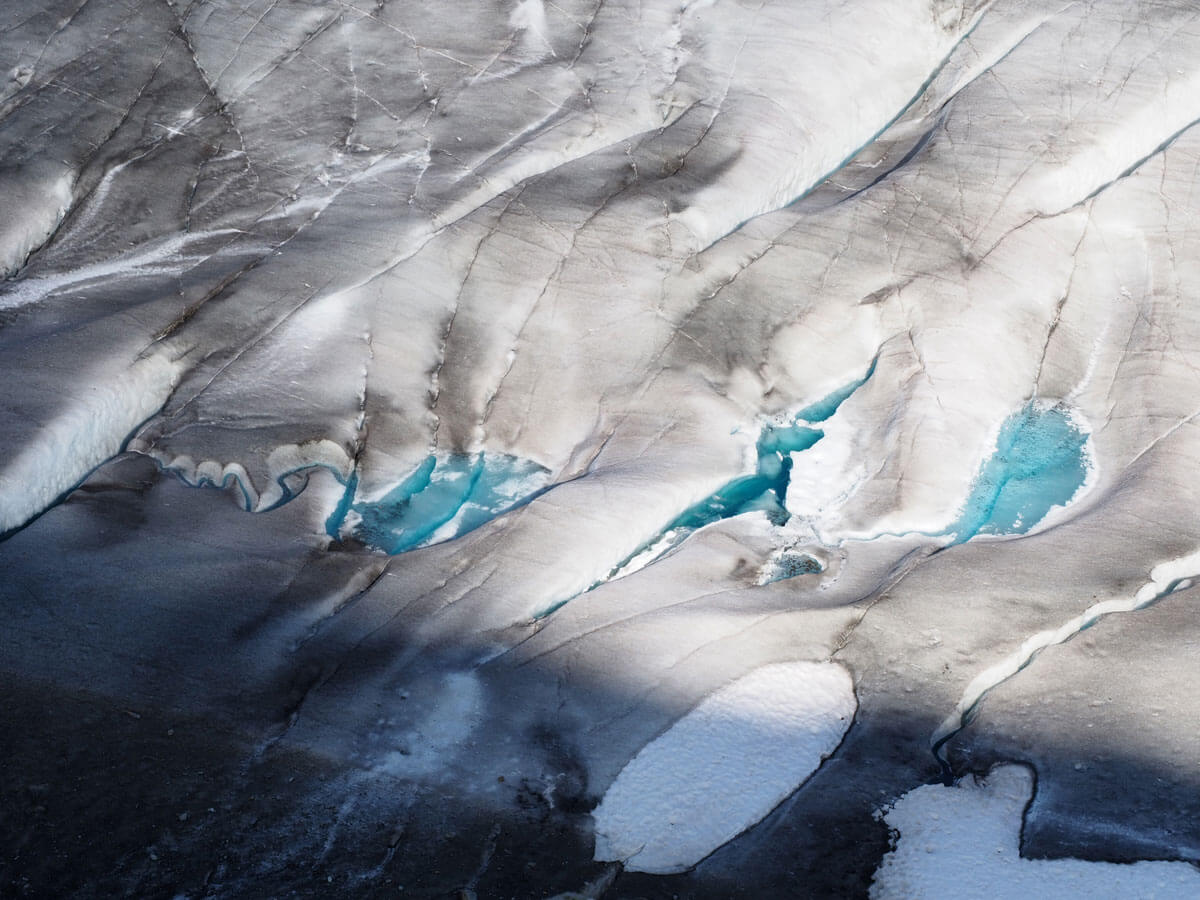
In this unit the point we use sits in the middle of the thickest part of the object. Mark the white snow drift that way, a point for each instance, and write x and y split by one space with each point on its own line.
724 766
963 842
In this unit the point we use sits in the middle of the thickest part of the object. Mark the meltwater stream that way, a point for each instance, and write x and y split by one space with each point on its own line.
450 494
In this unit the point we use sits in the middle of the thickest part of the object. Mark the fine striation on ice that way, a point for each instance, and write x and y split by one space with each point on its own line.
964 842
724 766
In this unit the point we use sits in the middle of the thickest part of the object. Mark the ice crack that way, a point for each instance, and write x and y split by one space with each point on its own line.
1165 579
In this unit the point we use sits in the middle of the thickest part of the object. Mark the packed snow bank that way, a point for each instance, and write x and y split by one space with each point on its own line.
43 198
724 766
964 841
90 429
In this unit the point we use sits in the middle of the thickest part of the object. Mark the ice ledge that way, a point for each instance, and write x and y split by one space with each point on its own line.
92 428
287 472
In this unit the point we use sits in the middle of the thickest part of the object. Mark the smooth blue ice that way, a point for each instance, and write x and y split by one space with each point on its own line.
457 489
1039 463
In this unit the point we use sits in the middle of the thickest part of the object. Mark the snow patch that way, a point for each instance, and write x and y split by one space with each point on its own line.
965 841
724 766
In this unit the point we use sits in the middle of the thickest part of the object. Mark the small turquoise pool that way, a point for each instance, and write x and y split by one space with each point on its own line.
1041 460
447 496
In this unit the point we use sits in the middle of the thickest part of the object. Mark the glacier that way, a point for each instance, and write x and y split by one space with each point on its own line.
599 448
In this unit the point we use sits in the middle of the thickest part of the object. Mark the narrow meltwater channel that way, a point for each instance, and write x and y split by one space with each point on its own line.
1165 579
765 490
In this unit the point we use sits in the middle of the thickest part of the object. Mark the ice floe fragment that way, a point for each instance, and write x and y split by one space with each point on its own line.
790 564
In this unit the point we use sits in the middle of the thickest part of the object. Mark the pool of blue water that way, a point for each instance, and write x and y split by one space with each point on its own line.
450 494
447 496
1040 461
765 490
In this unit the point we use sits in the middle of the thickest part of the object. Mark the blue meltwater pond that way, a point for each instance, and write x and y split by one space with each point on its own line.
767 488
1041 461
448 495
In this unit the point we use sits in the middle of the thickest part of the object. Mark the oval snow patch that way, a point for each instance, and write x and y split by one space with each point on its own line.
723 766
